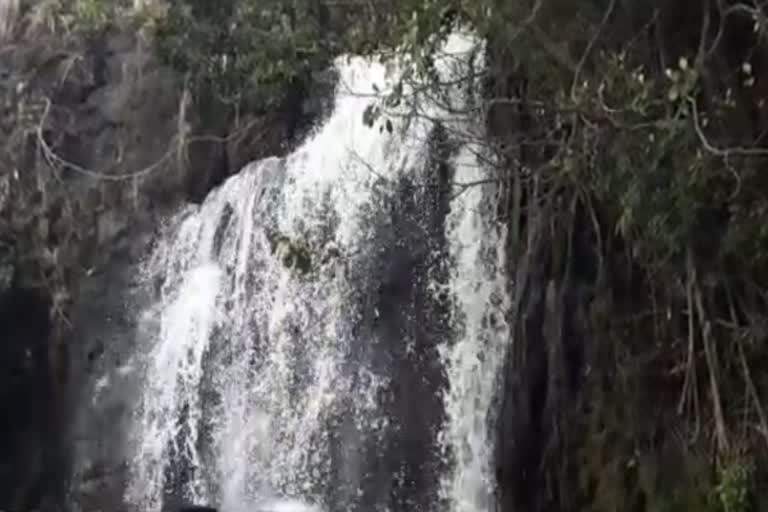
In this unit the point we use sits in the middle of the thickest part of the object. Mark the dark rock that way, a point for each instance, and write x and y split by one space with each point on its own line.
197 508
29 440
544 371
103 379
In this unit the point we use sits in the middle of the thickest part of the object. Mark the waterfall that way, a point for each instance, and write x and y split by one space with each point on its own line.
328 327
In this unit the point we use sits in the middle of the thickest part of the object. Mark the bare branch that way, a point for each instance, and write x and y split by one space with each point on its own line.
56 161
177 144
711 148
588 49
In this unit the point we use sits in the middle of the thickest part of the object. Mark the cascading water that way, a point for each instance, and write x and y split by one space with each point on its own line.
328 327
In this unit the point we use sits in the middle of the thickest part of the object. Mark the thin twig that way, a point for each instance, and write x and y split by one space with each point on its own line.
588 49
723 152
690 366
709 352
748 381
55 160
701 54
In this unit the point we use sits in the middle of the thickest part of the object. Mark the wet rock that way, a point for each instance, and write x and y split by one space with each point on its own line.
109 224
543 375
29 453
7 272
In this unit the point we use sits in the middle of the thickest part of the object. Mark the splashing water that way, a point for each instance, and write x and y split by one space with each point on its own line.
288 360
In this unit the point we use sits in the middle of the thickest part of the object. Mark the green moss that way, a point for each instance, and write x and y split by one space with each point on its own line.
298 258
293 254
732 490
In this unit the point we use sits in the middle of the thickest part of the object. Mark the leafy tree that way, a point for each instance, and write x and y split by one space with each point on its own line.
245 50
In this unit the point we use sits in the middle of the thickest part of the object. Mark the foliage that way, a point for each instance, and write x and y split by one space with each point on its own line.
731 494
77 17
243 48
293 254
240 51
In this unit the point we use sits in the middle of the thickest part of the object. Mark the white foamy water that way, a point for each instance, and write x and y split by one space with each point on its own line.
478 282
251 355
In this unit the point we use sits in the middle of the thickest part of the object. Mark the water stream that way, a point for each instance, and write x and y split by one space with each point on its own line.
328 327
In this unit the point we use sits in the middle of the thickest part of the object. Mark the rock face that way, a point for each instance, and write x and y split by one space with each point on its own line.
71 127
28 401
197 508
100 143
543 378
101 372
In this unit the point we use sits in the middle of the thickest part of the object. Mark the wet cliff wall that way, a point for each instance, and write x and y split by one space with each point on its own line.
98 141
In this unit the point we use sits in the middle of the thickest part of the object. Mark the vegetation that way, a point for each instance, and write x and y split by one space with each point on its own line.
243 51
